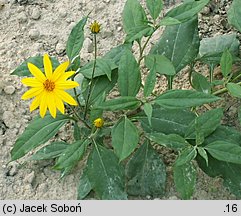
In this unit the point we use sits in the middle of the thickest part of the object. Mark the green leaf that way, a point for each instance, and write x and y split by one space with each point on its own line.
155 7
129 80
173 141
202 152
120 103
116 53
150 82
136 33
239 115
186 11
185 179
234 14
50 151
168 21
179 43
211 49
186 156
133 15
77 135
184 98
148 111
226 63
206 123
76 39
23 70
103 67
200 83
101 85
125 138
167 121
106 174
39 131
160 64
71 156
234 89
84 186
225 151
230 172
146 173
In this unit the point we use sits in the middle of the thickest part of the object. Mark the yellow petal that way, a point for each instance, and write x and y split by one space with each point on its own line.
65 97
65 76
33 82
35 103
66 85
36 72
43 104
59 104
48 66
51 104
31 93
60 70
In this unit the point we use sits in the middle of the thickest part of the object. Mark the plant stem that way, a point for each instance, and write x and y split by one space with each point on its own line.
190 74
223 90
169 83
92 79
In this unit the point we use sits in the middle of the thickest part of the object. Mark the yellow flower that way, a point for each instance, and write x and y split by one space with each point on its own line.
99 122
95 27
48 89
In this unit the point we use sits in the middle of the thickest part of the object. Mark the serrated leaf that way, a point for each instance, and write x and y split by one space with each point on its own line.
103 67
150 82
186 11
106 174
84 186
179 43
234 89
76 39
155 7
125 138
71 156
148 111
186 156
136 33
101 85
146 172
185 179
160 64
226 63
184 98
129 76
211 49
173 141
200 83
120 103
234 14
230 172
133 15
205 123
225 151
39 131
23 70
50 151
167 121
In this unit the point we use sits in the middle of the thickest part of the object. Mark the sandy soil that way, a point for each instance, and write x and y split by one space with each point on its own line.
29 28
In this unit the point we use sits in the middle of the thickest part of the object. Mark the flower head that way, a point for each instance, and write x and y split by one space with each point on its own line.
99 122
95 27
48 87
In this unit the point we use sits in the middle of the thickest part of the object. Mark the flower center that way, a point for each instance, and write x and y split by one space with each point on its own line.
49 85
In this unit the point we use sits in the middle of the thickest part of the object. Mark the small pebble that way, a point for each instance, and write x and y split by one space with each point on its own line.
62 12
30 178
22 18
88 45
12 170
9 90
34 34
60 48
35 14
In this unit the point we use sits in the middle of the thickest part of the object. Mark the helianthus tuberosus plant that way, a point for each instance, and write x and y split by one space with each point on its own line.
127 164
